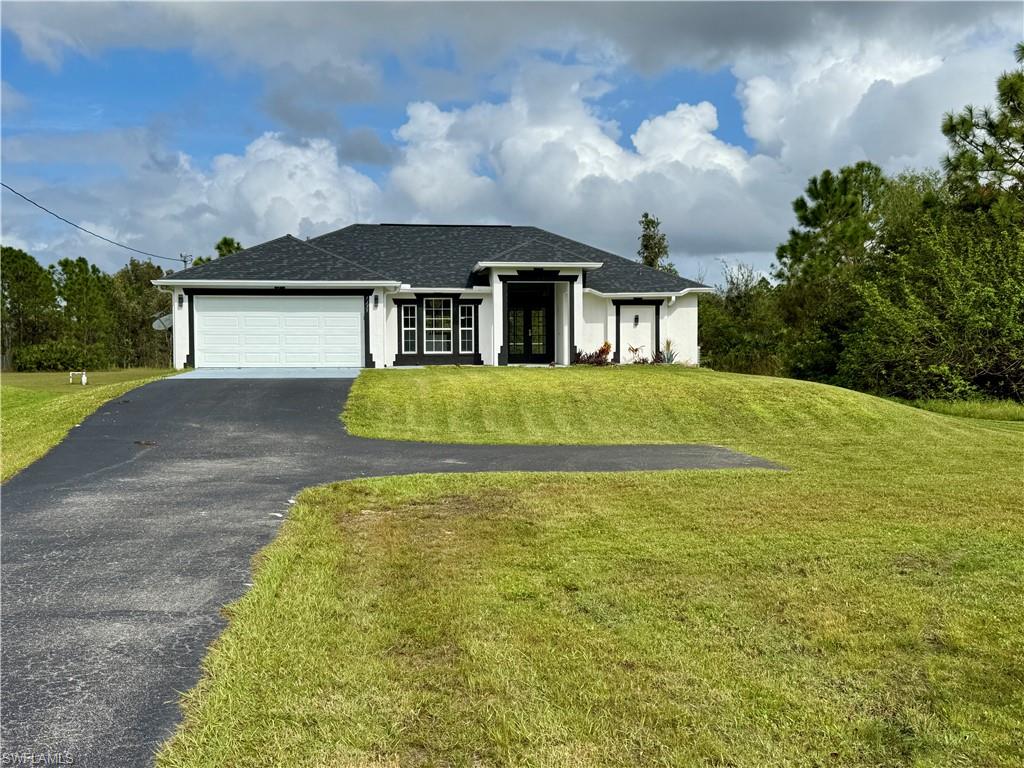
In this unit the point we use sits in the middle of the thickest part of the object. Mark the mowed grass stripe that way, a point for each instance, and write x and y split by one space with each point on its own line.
864 608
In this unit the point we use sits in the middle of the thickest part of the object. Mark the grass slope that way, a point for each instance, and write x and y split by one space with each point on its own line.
38 409
624 404
864 608
1000 410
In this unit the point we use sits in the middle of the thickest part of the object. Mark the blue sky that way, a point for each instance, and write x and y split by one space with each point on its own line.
637 98
167 126
173 93
186 100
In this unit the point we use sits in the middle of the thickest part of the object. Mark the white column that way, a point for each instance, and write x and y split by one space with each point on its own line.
378 325
609 330
180 319
577 309
561 320
485 333
497 316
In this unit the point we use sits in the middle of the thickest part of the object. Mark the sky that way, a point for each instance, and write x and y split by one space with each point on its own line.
168 126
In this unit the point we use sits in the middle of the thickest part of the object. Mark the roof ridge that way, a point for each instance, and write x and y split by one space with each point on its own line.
588 246
649 268
439 226
230 255
610 255
515 247
341 229
343 258
562 248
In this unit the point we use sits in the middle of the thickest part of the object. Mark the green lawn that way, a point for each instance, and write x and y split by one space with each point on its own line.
38 409
864 608
1000 410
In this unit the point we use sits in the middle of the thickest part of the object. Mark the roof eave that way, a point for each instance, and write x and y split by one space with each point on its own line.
482 265
647 294
210 283
407 288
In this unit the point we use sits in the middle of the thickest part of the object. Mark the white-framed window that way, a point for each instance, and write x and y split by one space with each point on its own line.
466 329
437 326
408 329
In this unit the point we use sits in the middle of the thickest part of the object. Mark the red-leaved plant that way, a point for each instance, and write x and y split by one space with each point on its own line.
600 357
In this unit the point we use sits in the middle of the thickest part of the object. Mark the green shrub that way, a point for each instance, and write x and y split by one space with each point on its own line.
62 355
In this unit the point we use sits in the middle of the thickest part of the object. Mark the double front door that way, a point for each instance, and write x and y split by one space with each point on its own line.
531 323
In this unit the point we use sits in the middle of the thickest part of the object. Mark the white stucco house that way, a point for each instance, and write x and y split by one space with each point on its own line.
384 295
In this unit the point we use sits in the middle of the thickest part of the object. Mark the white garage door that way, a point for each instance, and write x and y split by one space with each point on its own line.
279 331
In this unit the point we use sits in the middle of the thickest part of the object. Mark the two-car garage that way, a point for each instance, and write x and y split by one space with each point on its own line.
278 331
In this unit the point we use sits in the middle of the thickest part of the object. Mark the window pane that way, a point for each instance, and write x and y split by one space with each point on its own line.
466 328
437 325
438 341
539 335
515 331
408 328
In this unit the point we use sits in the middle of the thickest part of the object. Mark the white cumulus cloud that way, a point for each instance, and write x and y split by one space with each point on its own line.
173 206
820 85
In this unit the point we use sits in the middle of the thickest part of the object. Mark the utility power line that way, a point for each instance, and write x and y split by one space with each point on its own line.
183 259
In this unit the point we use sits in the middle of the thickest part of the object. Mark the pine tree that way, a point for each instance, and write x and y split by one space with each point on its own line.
136 302
986 158
653 249
29 302
87 318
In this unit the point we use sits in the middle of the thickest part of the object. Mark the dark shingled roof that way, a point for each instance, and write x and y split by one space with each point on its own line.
285 258
427 256
536 250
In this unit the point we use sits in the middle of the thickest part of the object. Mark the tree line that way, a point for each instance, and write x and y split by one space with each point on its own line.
909 285
73 315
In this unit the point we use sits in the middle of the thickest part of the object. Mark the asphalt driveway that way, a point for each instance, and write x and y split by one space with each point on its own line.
121 545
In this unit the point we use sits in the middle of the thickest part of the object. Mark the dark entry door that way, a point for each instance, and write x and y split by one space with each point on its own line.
531 323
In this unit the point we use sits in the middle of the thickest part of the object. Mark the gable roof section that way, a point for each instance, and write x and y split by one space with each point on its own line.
619 275
535 251
436 256
284 258
426 256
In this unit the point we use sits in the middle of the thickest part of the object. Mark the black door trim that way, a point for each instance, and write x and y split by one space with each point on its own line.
538 276
619 304
535 297
190 358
